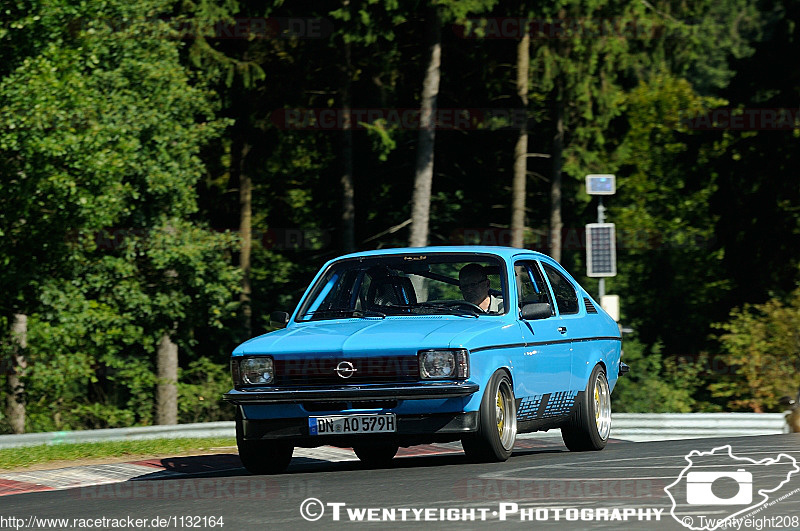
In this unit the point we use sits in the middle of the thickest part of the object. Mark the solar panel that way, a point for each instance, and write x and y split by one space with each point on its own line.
601 250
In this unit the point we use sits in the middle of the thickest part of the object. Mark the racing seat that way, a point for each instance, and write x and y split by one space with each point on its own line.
390 291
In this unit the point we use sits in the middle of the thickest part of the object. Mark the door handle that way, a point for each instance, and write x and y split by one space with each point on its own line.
562 329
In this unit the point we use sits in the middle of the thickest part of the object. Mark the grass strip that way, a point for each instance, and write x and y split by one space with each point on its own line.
34 455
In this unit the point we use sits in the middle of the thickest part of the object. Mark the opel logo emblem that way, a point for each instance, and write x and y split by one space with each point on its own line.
345 369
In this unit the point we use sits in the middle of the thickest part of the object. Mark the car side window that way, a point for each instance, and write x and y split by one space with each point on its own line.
563 290
531 287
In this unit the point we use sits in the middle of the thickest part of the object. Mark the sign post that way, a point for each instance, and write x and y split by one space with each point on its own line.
601 244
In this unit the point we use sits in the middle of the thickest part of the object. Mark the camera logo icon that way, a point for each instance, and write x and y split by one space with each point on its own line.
699 488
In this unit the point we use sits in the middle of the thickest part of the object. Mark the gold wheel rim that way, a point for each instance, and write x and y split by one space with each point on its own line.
602 406
501 411
596 402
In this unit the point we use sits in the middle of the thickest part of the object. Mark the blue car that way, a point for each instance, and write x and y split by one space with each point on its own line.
399 347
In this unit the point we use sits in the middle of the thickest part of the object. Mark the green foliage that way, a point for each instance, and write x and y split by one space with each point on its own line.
123 126
101 136
698 41
761 342
457 10
668 257
202 19
655 384
367 22
382 141
101 133
585 75
68 340
91 342
200 390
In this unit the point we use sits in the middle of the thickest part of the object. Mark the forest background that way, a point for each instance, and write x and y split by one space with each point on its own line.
172 171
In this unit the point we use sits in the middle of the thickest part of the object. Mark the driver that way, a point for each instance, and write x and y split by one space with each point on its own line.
475 288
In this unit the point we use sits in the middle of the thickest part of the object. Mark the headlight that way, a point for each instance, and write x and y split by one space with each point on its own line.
252 371
443 364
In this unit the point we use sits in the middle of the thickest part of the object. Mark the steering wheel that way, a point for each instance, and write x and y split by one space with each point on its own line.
465 304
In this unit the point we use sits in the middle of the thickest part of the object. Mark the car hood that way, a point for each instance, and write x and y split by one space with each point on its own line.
354 336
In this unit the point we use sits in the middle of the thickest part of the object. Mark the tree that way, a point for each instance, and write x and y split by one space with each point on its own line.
114 142
119 180
361 27
665 228
235 70
759 224
700 42
423 176
521 148
436 13
42 152
189 283
581 64
15 388
668 225
246 235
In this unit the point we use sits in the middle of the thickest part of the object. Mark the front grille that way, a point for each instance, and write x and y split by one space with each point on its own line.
322 371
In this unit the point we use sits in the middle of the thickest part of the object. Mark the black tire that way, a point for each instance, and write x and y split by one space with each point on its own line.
376 454
262 457
590 424
497 422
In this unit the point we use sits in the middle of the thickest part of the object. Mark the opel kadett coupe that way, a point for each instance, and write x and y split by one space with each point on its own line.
399 347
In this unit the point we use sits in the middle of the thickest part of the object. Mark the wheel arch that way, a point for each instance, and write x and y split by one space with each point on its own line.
603 353
483 365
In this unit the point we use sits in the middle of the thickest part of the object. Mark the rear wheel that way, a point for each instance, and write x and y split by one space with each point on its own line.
590 425
379 454
497 428
262 456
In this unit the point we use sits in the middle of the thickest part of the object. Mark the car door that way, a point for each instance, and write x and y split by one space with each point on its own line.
570 323
546 360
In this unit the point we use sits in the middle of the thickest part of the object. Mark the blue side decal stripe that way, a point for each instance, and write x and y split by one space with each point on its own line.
546 406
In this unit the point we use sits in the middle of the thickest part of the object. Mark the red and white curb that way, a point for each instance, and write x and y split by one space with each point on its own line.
176 467
76 476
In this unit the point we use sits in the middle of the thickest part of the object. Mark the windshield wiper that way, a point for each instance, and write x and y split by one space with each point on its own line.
342 311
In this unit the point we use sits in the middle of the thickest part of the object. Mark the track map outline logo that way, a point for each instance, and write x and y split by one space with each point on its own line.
732 489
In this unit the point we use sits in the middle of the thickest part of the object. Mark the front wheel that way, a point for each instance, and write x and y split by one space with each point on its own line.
497 424
590 425
264 456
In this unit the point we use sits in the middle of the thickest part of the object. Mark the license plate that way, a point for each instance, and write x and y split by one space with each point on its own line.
349 424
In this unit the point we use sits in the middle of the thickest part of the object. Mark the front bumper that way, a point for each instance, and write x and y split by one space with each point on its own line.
278 395
411 429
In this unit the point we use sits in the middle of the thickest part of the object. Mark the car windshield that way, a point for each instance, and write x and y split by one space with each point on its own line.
468 285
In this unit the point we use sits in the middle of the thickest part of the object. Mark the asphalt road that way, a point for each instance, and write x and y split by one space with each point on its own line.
617 488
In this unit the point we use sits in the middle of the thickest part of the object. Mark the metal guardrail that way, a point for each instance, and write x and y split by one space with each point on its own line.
671 426
627 426
204 429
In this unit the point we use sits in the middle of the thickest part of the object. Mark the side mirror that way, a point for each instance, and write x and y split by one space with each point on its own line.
279 318
536 310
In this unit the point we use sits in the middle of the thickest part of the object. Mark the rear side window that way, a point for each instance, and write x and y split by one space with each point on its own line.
563 290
